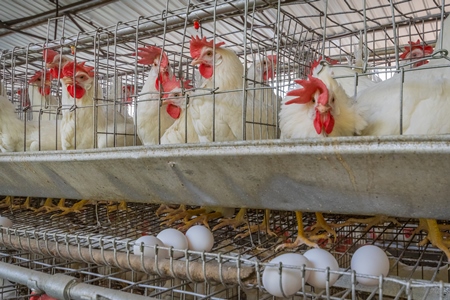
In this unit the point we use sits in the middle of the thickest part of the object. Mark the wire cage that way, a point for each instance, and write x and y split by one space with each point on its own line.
372 40
95 247
295 32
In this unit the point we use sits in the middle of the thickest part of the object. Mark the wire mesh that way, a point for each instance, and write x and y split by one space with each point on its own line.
297 32
415 270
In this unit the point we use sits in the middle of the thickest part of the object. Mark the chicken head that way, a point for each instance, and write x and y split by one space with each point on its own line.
202 52
54 61
416 50
43 84
78 78
314 92
157 58
173 95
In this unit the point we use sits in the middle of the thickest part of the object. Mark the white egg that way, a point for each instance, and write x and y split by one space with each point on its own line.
149 241
321 259
370 260
200 238
290 279
175 238
5 222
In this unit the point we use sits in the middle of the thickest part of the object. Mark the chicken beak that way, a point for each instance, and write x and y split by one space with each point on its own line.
196 62
165 102
67 80
323 108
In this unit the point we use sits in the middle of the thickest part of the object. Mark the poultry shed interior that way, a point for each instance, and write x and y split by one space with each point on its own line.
282 127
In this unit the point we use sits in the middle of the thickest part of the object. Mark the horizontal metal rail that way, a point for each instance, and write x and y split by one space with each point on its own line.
402 176
61 286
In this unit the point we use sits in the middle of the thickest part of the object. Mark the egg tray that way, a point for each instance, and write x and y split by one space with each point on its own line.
100 240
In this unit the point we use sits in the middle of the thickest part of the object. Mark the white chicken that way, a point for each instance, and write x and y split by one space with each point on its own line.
39 94
217 116
152 120
77 126
415 52
320 108
176 107
351 80
262 102
423 92
39 135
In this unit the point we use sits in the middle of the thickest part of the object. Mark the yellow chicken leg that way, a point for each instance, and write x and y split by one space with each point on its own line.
77 207
25 205
180 214
263 226
321 224
47 207
203 218
301 237
166 209
6 202
237 221
121 206
372 221
434 236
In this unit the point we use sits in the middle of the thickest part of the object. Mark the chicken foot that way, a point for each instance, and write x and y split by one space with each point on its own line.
25 205
166 209
237 221
301 238
321 224
262 227
181 213
76 208
48 206
370 222
203 218
121 206
6 202
434 235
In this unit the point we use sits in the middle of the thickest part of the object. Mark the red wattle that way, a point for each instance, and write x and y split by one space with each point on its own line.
173 111
318 123
205 70
54 72
328 123
79 90
45 91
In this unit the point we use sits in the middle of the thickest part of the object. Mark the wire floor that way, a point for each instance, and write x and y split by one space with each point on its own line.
112 230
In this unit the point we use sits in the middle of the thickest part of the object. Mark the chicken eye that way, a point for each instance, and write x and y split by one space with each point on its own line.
209 53
313 100
176 95
332 100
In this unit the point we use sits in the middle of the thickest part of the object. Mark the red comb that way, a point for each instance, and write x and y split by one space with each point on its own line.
67 70
149 53
427 49
49 55
197 44
173 83
272 58
309 87
38 74
315 63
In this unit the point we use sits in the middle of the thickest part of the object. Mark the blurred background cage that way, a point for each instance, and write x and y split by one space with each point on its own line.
93 246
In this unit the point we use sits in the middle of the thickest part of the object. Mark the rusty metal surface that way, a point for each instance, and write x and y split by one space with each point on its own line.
404 176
